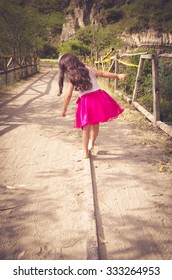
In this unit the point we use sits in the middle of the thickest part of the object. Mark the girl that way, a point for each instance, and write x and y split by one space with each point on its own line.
94 105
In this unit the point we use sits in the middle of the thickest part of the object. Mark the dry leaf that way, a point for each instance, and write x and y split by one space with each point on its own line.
79 193
162 168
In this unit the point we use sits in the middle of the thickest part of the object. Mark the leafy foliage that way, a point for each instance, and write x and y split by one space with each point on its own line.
141 15
113 15
76 47
24 30
49 51
44 6
98 38
105 4
21 30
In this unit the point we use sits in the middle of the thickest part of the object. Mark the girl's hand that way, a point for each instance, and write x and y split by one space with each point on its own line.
121 77
67 99
64 113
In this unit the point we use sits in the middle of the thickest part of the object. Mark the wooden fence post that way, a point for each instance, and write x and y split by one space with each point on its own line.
137 79
5 70
96 59
116 71
155 87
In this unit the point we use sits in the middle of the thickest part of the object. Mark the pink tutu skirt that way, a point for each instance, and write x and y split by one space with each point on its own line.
96 107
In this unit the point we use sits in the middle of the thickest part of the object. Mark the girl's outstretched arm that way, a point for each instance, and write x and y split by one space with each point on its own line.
67 99
110 75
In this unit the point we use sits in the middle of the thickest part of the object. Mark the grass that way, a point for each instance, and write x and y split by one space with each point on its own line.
50 62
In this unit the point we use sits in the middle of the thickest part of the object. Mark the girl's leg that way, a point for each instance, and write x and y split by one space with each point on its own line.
85 139
94 134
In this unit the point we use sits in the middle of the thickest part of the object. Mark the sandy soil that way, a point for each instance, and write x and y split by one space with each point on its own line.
43 212
133 197
42 196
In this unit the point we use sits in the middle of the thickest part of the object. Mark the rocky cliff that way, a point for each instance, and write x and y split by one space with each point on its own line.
88 14
79 17
147 38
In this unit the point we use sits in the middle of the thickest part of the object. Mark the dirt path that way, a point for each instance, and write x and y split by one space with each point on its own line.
42 198
44 194
133 197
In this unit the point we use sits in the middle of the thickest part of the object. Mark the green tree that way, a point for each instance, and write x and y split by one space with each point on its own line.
44 6
111 15
76 47
22 30
99 38
142 15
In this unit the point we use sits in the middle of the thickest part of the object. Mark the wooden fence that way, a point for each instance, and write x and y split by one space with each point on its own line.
114 66
16 68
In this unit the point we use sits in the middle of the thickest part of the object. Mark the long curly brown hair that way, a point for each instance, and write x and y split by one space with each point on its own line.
75 71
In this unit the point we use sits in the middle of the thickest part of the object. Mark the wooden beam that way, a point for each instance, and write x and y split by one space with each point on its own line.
132 54
5 70
155 88
165 127
165 55
148 115
146 56
112 66
116 71
108 54
124 97
128 55
10 60
137 79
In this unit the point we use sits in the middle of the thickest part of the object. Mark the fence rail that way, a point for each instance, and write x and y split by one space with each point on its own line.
16 68
113 63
